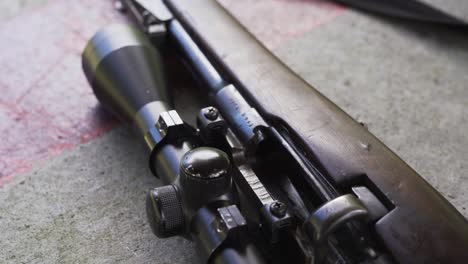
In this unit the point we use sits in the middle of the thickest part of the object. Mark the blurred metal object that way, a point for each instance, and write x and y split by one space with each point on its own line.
408 9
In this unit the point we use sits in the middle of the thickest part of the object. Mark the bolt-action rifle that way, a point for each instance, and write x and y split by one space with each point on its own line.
273 172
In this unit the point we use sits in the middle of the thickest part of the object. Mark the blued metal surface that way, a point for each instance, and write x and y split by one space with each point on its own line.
211 124
148 115
212 234
195 57
334 214
169 125
165 164
124 70
205 163
244 119
423 226
107 41
205 175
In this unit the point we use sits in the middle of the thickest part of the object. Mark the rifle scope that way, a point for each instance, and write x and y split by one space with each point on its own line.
126 74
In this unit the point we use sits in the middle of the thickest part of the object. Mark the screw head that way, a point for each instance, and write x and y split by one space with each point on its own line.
211 113
278 209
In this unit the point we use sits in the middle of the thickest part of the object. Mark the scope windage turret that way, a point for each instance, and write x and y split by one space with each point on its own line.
126 73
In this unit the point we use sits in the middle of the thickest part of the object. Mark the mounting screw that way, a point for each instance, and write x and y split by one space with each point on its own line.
211 113
278 209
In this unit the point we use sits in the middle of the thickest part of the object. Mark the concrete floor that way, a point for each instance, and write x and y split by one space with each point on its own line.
407 82
86 206
11 8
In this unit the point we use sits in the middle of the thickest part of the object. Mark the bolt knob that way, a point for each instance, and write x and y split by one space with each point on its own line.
164 211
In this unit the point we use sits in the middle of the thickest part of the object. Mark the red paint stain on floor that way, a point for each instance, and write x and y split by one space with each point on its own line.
274 22
46 104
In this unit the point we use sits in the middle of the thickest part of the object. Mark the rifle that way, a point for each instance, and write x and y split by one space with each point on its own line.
258 180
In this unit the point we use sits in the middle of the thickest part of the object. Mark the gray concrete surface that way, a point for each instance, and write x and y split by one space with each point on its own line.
10 8
86 206
407 84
